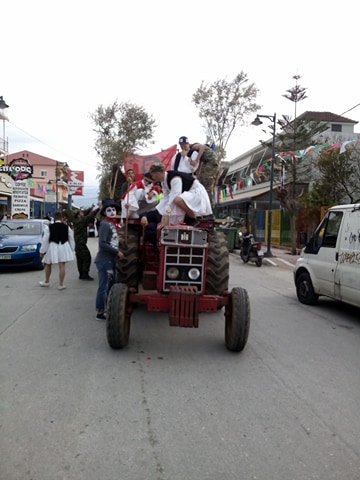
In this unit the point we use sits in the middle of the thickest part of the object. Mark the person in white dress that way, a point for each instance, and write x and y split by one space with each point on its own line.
183 195
57 247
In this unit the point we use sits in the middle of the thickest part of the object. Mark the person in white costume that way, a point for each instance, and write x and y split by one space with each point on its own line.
139 198
57 247
181 162
183 195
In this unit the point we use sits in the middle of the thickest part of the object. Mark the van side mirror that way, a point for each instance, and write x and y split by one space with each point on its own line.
312 246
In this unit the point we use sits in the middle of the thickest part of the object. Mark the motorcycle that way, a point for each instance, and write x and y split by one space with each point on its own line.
250 250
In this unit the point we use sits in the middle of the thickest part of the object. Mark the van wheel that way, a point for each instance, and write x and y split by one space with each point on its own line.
305 290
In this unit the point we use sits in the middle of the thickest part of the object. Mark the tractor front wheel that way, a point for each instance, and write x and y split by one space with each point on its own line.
118 313
237 320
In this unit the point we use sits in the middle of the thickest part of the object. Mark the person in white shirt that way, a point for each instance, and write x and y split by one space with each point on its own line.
139 198
184 197
181 162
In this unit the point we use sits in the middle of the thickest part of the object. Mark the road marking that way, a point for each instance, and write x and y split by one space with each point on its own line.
286 262
270 261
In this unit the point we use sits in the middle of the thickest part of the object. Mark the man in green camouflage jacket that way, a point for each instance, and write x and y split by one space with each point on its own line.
81 220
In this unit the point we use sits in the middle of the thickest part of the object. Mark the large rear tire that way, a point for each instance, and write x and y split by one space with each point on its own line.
128 267
305 290
118 314
237 320
217 272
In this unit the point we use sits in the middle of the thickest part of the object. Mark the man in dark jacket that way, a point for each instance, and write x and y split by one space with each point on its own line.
108 254
82 218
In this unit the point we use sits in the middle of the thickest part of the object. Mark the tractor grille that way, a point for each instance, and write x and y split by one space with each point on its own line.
182 264
184 251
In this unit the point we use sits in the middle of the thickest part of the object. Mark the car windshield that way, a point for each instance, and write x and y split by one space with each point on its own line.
20 228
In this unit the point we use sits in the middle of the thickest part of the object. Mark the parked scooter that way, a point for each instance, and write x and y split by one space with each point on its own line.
250 250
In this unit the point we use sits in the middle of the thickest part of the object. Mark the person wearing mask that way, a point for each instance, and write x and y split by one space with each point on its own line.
57 247
141 197
107 255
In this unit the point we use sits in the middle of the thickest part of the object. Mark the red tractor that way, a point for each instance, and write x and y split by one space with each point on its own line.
184 272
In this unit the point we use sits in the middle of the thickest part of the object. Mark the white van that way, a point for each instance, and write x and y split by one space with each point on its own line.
330 263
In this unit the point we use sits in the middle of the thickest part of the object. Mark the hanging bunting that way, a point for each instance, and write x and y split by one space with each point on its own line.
297 154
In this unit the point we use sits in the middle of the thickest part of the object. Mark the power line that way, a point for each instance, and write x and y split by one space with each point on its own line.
47 145
350 109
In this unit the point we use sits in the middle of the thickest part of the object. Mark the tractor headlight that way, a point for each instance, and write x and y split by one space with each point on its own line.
172 273
194 273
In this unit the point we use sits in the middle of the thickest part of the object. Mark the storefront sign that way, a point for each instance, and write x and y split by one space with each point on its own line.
20 199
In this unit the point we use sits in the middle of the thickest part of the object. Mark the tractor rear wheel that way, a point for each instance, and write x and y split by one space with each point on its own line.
237 320
217 271
118 313
128 267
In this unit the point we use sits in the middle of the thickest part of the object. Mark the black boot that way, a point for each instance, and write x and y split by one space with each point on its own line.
85 276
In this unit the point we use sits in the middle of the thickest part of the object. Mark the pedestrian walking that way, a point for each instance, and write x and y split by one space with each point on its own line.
107 255
57 247
82 218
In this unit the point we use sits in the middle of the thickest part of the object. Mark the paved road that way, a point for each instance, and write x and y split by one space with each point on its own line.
175 404
281 258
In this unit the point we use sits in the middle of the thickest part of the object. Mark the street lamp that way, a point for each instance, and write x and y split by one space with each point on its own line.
3 105
258 122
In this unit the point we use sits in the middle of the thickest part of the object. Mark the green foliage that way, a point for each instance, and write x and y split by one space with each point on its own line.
120 128
298 133
317 197
223 106
339 180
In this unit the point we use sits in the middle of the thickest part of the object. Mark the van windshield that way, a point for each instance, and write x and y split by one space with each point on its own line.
327 233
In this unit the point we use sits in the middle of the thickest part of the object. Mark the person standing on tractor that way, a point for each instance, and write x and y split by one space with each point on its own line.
82 218
208 170
181 162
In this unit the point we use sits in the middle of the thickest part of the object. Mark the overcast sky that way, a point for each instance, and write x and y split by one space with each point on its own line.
62 59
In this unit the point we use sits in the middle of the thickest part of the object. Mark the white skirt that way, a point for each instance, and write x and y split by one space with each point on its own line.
57 253
197 199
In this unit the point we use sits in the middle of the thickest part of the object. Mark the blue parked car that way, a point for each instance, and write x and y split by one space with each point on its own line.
20 242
